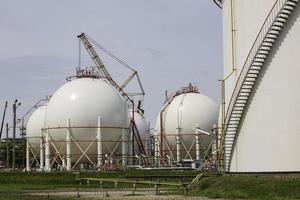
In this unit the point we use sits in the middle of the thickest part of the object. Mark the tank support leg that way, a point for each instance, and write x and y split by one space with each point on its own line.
178 150
124 141
69 150
27 156
156 154
197 146
99 144
41 154
47 152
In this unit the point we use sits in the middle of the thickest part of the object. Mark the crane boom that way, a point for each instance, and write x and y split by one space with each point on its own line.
93 54
3 119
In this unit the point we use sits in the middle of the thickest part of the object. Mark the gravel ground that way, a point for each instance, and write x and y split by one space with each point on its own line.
145 194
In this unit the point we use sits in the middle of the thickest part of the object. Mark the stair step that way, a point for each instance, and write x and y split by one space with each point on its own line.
250 79
251 75
274 32
263 52
248 83
271 36
290 3
278 24
276 28
231 130
240 101
231 136
280 19
236 116
269 40
283 15
242 98
257 65
247 86
245 90
238 109
253 67
259 55
266 44
253 71
289 8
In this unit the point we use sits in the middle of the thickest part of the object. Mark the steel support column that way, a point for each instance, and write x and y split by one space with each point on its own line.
69 148
99 144
124 141
47 152
27 156
41 154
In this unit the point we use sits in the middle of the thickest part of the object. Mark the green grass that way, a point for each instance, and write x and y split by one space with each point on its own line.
229 187
12 182
248 187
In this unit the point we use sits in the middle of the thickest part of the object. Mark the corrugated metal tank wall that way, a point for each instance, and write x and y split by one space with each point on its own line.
268 136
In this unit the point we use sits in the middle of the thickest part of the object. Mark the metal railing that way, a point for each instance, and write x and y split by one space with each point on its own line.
265 28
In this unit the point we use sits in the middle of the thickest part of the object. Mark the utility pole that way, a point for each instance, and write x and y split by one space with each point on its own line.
7 147
15 106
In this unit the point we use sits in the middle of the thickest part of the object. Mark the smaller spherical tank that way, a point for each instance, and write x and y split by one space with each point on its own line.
182 114
35 124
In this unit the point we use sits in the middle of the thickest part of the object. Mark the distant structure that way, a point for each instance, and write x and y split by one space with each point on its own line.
184 128
260 111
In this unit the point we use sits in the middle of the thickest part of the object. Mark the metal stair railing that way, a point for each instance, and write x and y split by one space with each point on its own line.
259 51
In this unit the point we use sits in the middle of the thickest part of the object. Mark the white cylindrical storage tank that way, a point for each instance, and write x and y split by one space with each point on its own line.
35 124
88 108
179 116
268 133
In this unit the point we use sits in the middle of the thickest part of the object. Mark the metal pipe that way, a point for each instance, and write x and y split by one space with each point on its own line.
27 156
69 150
14 134
124 141
156 150
178 145
15 106
41 153
197 146
47 152
99 144
7 147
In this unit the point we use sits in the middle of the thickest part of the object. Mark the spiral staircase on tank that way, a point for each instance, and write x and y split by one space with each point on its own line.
259 52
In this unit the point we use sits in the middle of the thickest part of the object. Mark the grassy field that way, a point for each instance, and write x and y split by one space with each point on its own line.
228 187
12 183
248 187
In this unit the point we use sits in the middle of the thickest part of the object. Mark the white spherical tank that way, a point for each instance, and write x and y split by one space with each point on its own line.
35 124
81 104
183 113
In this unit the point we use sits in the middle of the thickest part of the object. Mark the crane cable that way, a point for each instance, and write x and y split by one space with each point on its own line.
117 59
109 53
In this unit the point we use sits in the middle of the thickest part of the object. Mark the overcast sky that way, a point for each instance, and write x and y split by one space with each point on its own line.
169 42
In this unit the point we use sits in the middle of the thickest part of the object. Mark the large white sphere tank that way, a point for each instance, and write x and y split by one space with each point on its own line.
35 124
185 112
80 104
